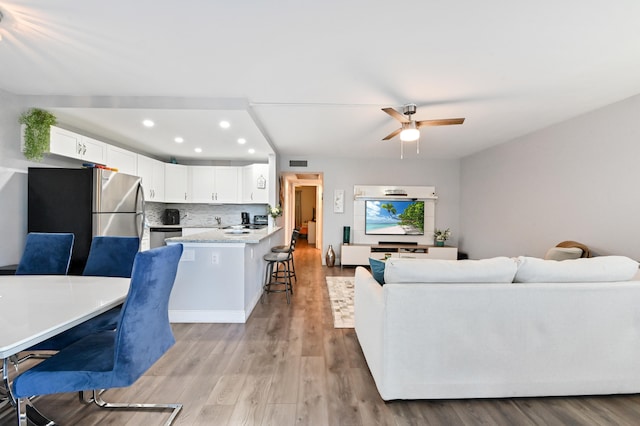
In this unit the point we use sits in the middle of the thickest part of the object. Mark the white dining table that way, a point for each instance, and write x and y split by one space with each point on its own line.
36 307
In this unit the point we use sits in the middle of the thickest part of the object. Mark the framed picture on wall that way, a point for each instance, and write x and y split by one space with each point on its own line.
338 201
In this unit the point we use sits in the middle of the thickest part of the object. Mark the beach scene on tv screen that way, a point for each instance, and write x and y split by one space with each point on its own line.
383 217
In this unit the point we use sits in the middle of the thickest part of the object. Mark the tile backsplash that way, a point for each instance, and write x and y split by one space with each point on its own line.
197 215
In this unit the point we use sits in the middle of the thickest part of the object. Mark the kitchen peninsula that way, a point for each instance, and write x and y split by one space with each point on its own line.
220 274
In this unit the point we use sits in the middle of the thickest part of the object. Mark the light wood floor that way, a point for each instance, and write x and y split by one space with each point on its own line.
288 366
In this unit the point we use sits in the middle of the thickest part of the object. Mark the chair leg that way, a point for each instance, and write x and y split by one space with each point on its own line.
175 408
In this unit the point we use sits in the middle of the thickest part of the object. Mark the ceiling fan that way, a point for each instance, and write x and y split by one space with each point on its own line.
409 131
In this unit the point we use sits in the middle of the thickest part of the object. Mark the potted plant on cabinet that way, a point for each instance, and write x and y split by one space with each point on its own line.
441 236
37 124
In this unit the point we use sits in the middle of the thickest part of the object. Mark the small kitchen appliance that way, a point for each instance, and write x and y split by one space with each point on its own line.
260 219
245 218
171 217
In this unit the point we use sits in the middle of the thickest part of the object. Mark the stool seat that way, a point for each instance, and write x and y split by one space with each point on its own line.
276 257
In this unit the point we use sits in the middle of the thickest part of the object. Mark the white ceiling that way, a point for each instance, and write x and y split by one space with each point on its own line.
311 76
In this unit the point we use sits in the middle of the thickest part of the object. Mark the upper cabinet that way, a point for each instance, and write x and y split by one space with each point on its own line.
70 144
176 183
152 173
214 184
123 160
255 188
227 184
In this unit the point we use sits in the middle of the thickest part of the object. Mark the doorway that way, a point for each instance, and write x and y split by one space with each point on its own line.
303 205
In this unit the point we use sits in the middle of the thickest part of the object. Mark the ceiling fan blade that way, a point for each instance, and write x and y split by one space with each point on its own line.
440 122
392 134
395 114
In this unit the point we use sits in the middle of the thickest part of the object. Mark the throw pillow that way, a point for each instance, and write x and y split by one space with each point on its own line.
377 269
563 253
593 269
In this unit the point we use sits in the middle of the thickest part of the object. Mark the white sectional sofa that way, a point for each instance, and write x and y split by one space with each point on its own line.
501 327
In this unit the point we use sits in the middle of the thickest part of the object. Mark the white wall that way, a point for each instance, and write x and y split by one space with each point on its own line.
577 180
344 173
13 178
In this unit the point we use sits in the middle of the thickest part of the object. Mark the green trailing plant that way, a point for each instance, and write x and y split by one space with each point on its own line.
37 132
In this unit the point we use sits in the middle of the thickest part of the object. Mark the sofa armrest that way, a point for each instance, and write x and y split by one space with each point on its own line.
369 319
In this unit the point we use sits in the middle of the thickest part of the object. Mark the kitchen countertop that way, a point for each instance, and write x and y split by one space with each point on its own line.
253 236
184 226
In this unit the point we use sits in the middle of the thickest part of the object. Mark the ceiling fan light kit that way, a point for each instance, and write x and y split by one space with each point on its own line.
409 130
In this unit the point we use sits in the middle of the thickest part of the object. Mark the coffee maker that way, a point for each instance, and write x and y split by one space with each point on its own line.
245 218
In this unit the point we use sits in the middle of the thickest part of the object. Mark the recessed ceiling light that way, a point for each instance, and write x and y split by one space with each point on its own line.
198 150
252 151
148 123
225 124
178 139
242 141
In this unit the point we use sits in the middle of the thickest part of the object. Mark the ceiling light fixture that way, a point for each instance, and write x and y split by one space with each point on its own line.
252 151
148 123
178 139
225 124
242 141
198 150
409 132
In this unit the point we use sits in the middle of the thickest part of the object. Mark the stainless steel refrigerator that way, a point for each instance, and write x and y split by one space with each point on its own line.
86 202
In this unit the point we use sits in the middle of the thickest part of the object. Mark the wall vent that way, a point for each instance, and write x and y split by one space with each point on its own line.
297 163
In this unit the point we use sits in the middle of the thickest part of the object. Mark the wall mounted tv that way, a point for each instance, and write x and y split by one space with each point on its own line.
394 217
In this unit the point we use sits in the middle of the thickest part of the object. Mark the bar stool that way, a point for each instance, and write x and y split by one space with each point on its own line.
283 249
277 272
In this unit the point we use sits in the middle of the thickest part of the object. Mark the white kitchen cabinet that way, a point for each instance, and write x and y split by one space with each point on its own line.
227 184
176 183
203 186
255 188
152 173
69 144
123 160
214 184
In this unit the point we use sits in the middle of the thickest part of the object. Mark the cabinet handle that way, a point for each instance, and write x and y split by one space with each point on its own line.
79 148
185 196
84 149
213 197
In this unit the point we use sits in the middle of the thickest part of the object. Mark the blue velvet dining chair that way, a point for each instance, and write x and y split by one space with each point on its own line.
115 358
46 254
108 257
111 256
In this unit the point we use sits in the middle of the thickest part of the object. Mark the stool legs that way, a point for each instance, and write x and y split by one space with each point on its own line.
274 278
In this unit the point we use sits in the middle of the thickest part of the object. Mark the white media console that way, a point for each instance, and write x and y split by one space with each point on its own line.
359 254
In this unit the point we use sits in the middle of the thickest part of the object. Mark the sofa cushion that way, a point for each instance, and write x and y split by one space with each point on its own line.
377 269
593 269
563 253
494 270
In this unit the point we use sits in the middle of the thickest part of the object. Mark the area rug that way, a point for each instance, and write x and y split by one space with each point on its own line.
341 297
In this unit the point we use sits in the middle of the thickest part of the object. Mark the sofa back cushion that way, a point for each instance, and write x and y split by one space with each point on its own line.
593 269
494 270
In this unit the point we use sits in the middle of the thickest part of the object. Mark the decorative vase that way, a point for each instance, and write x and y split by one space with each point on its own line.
272 223
439 243
330 258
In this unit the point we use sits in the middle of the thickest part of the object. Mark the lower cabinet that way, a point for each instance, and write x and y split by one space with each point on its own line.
359 254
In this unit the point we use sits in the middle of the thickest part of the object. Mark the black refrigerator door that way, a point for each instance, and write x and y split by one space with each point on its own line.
60 200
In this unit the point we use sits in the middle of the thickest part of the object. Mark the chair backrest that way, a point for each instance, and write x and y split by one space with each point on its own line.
46 254
111 256
294 237
144 333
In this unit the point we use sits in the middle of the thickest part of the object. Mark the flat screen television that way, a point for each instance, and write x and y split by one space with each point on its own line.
394 217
